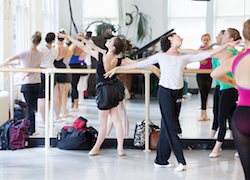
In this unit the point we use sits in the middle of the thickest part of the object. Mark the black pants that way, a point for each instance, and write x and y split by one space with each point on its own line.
227 105
30 93
216 107
168 141
242 140
204 82
74 82
216 98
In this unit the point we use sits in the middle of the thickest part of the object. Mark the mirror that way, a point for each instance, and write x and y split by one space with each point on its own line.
210 17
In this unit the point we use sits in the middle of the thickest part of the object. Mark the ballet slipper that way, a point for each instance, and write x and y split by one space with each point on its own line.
163 165
207 118
120 153
180 168
214 154
202 118
93 152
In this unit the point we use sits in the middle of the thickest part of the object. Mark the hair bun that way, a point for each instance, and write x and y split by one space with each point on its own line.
37 37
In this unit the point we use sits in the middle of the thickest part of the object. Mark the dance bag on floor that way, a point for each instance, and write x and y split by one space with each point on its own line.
20 109
13 134
153 140
139 135
78 136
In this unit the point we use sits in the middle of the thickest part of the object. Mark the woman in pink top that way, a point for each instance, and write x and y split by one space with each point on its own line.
239 66
31 58
204 80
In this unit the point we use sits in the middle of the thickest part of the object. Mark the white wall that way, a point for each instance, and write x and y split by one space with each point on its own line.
64 14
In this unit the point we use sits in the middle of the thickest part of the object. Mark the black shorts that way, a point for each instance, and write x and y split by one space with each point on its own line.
69 78
60 77
107 95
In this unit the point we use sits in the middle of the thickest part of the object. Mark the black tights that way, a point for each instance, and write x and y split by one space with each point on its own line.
204 82
216 108
242 141
227 105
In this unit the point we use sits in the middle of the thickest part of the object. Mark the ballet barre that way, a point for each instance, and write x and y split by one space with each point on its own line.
51 73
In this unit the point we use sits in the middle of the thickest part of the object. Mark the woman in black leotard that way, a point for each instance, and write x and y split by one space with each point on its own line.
107 95
60 78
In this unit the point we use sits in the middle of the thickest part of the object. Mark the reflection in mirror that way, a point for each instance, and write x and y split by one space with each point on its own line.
190 24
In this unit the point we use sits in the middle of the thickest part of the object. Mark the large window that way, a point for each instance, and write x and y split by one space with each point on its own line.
229 15
49 16
1 33
188 18
94 10
21 25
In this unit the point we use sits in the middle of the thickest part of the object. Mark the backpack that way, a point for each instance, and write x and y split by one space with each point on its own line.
77 137
139 135
13 134
20 109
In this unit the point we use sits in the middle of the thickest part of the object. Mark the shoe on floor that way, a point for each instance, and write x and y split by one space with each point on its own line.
93 152
180 168
214 154
209 106
41 126
82 103
34 134
202 118
163 165
207 119
236 155
65 115
121 153
59 120
74 110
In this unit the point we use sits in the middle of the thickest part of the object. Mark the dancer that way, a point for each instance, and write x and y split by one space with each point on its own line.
60 78
121 106
82 86
66 61
77 62
31 81
172 66
239 66
49 54
228 94
216 89
107 96
204 80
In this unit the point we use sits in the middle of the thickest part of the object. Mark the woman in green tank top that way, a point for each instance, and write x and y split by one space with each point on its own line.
228 94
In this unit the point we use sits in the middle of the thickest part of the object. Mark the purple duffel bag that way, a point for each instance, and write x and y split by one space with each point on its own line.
13 134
